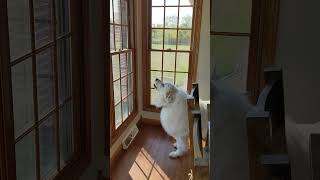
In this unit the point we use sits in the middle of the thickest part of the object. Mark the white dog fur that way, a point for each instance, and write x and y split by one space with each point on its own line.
174 115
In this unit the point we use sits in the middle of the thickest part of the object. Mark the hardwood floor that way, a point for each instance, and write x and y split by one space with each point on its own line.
147 159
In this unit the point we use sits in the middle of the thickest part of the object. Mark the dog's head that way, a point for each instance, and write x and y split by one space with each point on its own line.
167 92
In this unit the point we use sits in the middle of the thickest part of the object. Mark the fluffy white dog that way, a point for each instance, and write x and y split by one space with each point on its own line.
174 115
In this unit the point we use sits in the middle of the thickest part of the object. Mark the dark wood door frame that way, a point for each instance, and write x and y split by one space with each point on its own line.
263 41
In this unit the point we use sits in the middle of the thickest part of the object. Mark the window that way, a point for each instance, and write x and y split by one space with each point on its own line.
123 64
169 44
41 82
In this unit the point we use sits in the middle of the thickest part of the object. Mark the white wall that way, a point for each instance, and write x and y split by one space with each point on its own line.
298 52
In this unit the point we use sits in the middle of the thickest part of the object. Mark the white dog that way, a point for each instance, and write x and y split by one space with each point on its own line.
174 115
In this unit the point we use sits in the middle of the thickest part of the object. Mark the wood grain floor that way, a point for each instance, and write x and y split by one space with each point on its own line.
147 159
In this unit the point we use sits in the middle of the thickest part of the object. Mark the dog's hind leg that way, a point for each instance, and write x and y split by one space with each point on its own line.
181 147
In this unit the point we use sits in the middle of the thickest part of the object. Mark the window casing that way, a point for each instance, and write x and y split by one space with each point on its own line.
169 49
123 65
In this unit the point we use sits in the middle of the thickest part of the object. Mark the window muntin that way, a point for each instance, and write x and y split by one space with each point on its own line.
121 50
170 42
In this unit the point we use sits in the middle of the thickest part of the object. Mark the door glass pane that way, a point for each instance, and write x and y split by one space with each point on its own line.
182 80
182 62
156 60
186 2
157 2
185 17
157 39
64 69
118 116
157 17
47 148
130 82
130 103
111 12
170 39
231 58
231 16
42 22
22 94
129 54
45 82
154 95
169 61
184 39
168 77
19 28
116 91
26 158
125 106
62 17
65 134
171 20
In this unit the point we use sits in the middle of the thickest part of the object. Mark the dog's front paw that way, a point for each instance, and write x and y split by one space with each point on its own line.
175 154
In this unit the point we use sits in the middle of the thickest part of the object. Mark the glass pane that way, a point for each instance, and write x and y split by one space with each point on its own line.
231 16
124 86
22 94
157 2
43 22
169 61
111 12
184 39
125 106
154 95
64 69
112 45
62 17
168 77
154 75
47 148
19 28
116 92
130 83
129 54
186 2
123 64
157 17
231 58
170 39
171 20
45 82
117 12
182 80
185 17
118 116
130 101
65 134
26 158
118 37
124 12
172 2
115 67
156 60
125 37
157 39
182 62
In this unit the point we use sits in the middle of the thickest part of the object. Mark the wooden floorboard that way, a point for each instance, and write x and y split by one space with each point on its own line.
147 159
